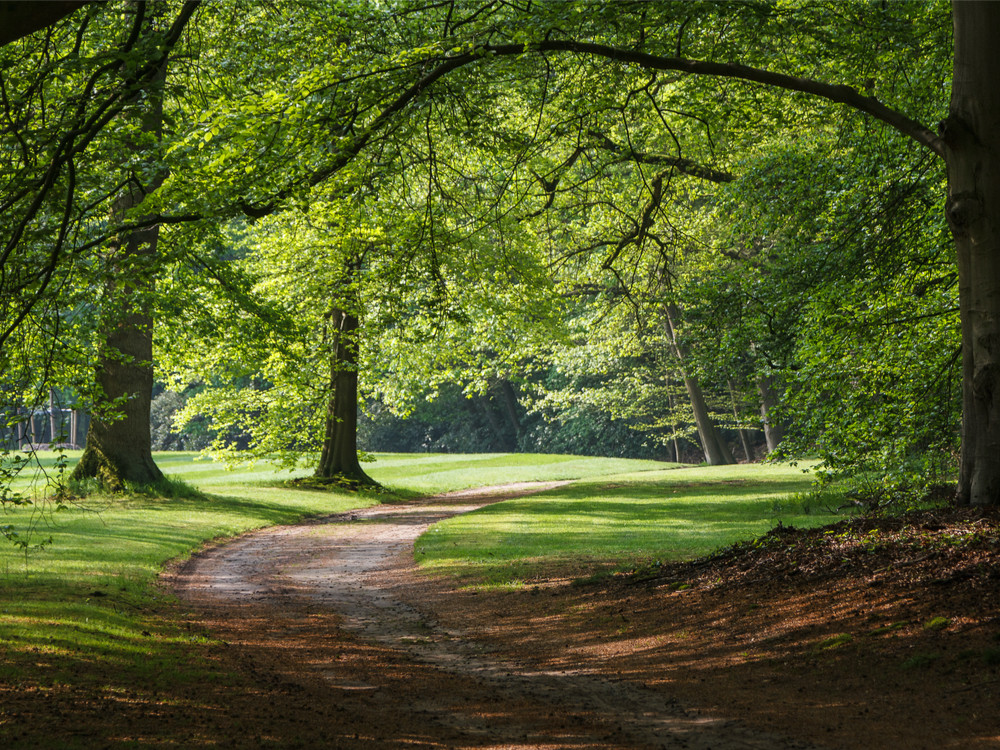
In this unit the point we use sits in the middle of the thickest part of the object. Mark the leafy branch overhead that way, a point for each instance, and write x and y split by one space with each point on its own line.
734 208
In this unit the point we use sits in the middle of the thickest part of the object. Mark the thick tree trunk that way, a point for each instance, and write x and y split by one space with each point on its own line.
118 441
118 447
774 431
972 139
339 458
716 450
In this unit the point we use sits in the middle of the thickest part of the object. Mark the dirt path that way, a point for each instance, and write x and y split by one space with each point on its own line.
329 612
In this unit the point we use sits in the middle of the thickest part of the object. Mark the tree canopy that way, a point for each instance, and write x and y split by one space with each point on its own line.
694 222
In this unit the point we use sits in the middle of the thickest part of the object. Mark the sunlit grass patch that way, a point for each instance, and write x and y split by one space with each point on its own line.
86 597
617 521
428 473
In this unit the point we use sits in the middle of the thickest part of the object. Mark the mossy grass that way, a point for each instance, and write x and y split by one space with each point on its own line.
835 642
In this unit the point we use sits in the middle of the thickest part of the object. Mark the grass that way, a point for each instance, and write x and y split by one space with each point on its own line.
86 604
86 612
423 473
616 522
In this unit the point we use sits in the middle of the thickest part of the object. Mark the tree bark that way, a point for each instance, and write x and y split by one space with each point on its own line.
118 440
716 450
339 458
744 435
971 135
774 431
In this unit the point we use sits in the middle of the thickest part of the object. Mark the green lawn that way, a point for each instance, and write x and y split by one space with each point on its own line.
89 595
618 521
86 606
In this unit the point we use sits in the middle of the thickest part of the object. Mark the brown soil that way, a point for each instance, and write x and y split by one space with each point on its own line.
874 634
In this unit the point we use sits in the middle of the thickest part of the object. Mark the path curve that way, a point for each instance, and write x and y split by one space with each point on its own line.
316 603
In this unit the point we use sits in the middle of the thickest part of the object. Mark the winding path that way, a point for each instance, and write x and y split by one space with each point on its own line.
318 604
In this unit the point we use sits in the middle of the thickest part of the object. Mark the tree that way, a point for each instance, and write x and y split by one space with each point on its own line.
119 441
66 96
969 140
717 452
967 143
338 459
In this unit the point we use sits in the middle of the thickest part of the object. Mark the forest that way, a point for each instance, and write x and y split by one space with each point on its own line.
693 231
500 373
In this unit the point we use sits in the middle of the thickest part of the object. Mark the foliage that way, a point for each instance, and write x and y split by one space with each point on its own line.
510 204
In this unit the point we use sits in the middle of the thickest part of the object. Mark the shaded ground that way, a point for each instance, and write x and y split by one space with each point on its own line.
875 634
337 608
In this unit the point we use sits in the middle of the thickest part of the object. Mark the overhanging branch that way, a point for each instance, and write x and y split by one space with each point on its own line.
841 94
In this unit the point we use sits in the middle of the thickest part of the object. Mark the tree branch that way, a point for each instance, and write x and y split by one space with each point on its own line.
688 167
18 18
836 93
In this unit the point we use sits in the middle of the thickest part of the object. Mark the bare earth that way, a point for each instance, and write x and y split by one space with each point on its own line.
806 640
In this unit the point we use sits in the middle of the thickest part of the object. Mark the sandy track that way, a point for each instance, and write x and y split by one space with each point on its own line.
320 605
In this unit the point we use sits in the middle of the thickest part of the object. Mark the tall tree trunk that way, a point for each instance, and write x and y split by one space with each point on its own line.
744 435
119 440
972 139
716 450
774 431
339 458
510 404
